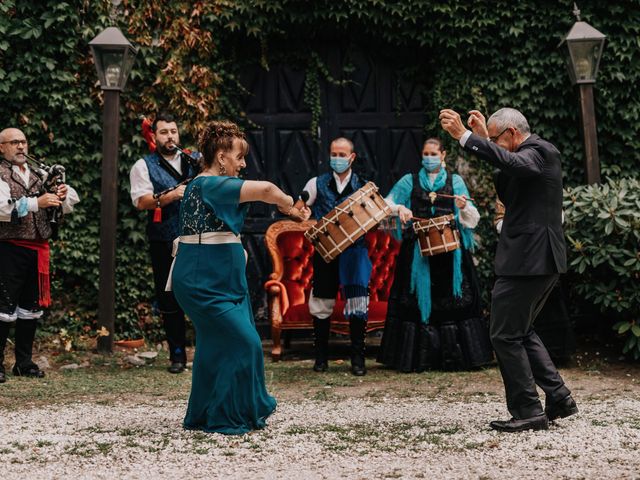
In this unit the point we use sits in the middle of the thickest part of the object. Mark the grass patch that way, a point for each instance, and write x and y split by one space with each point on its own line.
376 436
88 450
106 383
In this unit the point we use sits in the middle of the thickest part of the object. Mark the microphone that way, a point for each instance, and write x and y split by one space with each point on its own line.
302 200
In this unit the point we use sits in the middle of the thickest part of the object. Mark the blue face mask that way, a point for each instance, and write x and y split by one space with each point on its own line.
339 164
431 162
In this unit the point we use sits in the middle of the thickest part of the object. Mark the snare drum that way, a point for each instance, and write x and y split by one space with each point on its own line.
437 235
350 220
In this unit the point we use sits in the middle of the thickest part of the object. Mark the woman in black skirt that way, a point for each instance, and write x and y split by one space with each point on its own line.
434 316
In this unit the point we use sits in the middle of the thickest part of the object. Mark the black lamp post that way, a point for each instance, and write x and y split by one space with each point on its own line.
114 57
582 48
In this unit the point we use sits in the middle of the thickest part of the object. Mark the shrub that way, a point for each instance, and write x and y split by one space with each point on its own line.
603 229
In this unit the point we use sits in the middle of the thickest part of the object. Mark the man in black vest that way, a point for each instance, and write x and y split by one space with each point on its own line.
530 257
163 169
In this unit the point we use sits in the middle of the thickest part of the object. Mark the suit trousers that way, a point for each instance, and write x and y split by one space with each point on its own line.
523 359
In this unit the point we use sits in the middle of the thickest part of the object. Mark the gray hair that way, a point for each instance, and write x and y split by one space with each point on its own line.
509 117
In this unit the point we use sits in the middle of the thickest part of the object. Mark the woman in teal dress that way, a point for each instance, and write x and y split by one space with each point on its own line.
228 393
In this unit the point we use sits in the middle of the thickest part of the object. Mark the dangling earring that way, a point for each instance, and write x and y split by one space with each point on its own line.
223 171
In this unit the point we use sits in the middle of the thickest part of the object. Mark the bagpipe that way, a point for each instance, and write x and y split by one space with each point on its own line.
193 160
51 177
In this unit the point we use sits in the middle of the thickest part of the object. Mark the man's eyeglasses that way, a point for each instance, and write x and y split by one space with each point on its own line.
15 143
494 139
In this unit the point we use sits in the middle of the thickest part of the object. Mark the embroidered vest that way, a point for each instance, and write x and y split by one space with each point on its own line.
167 229
421 203
34 225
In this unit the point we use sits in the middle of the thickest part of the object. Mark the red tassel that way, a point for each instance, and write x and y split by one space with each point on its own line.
157 215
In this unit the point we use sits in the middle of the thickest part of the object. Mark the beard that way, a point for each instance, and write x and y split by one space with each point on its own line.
163 150
19 159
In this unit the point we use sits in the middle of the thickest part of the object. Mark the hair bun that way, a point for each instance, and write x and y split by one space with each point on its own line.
219 135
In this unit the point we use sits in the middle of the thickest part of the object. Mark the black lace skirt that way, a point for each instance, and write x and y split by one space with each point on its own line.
456 337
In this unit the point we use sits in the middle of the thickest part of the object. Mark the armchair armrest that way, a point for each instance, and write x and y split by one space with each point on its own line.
278 304
277 295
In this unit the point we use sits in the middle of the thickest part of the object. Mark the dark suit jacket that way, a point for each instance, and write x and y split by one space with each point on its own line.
529 183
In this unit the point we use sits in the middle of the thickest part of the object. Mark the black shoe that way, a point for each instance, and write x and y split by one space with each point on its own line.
540 422
28 371
358 370
565 407
177 367
3 377
320 366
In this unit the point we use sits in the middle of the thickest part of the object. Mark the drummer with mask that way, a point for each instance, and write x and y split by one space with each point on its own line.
434 313
351 270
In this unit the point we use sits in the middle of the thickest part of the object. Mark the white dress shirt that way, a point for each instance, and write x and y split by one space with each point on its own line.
312 186
141 181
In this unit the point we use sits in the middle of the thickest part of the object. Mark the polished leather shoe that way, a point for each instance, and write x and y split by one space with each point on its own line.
29 371
177 367
320 366
358 370
3 377
565 407
540 422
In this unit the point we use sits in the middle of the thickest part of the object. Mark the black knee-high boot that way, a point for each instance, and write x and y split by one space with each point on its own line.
25 335
321 328
358 330
4 334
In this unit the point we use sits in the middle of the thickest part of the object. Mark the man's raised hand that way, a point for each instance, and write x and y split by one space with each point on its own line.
452 123
478 123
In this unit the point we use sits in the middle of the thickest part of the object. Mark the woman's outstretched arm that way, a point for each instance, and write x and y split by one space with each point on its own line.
267 192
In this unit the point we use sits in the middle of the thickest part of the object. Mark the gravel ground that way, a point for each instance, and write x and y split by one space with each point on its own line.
338 438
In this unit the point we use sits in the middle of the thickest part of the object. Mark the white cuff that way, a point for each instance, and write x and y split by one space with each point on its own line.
28 314
392 205
9 317
32 204
465 136
321 307
469 216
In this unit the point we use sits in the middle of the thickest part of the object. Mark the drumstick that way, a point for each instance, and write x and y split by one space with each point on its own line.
444 195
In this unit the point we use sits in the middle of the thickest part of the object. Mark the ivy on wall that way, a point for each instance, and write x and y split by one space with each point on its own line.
468 54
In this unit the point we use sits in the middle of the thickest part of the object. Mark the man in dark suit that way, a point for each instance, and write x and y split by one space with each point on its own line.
530 257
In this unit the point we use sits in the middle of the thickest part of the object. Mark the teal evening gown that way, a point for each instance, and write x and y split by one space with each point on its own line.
228 392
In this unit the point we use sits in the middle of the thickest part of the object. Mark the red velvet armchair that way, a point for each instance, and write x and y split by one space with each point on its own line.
289 285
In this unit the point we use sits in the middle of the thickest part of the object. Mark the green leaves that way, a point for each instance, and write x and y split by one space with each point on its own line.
603 227
462 54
